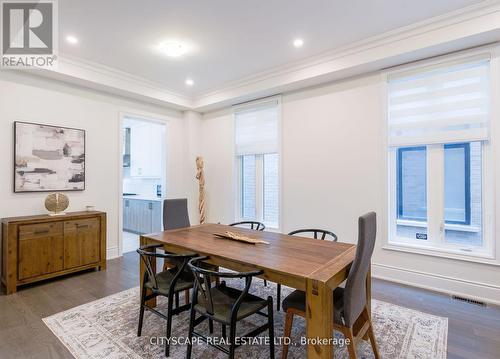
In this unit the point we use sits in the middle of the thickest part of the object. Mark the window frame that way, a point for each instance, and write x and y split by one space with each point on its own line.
467 170
238 193
490 155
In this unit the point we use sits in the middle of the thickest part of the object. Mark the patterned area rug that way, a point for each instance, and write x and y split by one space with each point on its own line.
106 328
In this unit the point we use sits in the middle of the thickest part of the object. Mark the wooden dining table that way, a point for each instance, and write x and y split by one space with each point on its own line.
314 266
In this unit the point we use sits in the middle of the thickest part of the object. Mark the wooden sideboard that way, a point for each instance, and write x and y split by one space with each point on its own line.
39 247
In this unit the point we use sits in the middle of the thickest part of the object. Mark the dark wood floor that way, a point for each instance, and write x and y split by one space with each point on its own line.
474 332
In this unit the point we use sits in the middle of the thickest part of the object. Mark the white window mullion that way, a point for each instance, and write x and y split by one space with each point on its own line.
435 197
259 187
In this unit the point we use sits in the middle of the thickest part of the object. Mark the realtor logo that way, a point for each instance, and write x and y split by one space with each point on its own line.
28 34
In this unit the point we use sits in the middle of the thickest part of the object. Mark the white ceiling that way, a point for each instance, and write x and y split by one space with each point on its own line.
232 39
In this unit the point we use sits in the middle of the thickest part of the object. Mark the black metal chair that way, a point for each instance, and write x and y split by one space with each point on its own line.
350 303
226 306
167 283
175 214
258 226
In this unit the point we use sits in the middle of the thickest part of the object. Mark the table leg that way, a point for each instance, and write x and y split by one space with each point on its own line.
319 320
151 302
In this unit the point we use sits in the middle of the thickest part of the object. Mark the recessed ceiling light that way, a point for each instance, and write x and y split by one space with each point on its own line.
189 82
72 39
298 43
173 48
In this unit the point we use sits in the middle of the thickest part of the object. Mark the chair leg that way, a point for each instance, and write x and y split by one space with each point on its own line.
351 347
232 339
192 315
224 335
371 335
169 326
270 322
141 310
210 326
278 297
186 296
265 283
177 300
286 333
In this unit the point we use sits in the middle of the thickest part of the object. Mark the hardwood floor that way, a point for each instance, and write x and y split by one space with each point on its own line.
474 331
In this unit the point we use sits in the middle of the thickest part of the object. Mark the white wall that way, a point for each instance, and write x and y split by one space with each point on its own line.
333 170
27 98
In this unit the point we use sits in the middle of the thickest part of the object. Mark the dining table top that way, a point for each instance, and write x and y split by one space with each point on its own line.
297 258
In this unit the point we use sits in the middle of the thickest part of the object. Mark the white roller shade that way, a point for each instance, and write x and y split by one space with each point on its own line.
257 128
440 104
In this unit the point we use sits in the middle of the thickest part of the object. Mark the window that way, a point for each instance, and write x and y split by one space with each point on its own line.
438 136
258 161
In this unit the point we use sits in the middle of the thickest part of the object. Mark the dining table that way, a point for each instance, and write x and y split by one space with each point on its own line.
311 265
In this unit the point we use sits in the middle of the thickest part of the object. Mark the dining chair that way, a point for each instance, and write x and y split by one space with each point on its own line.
350 303
167 283
258 226
227 306
324 234
175 214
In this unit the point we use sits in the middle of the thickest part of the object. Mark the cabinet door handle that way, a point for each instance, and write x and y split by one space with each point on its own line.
43 231
150 205
82 226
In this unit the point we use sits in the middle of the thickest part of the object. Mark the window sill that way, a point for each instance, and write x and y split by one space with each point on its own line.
457 254
447 226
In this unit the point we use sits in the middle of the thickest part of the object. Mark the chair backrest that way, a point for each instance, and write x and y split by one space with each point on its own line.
355 288
175 214
204 278
258 226
317 232
148 253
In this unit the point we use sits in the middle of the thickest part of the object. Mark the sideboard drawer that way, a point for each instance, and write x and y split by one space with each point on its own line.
39 230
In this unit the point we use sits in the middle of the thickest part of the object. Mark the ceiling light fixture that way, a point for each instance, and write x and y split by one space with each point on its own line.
189 82
173 48
72 39
298 43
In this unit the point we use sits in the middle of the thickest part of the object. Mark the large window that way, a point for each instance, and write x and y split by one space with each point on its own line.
438 136
258 161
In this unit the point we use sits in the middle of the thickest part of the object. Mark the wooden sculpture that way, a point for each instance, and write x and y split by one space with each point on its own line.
200 176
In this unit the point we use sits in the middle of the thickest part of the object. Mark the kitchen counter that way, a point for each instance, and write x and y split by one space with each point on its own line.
145 198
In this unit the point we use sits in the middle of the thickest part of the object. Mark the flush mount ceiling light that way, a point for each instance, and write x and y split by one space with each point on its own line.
298 43
189 82
173 48
72 39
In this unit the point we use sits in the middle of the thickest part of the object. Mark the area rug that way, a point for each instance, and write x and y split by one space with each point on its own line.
106 328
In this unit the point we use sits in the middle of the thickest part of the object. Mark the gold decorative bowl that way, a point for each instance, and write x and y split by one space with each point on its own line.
56 203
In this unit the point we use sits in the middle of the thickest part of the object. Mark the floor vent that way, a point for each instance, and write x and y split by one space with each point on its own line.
468 300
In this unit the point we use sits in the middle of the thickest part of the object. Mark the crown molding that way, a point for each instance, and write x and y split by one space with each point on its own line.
463 26
104 78
471 26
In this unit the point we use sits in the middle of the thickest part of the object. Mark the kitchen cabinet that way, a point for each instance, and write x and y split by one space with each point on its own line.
142 216
146 151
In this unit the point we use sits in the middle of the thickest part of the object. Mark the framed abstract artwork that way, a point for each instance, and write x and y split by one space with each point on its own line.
48 158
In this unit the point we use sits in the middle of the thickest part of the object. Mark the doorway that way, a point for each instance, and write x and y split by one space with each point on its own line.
143 178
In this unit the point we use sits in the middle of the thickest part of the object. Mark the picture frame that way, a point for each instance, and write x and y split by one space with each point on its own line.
48 158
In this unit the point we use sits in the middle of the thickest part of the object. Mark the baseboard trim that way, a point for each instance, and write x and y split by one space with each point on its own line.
112 252
439 283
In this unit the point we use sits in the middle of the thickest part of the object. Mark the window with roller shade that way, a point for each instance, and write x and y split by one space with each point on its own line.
438 133
258 160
